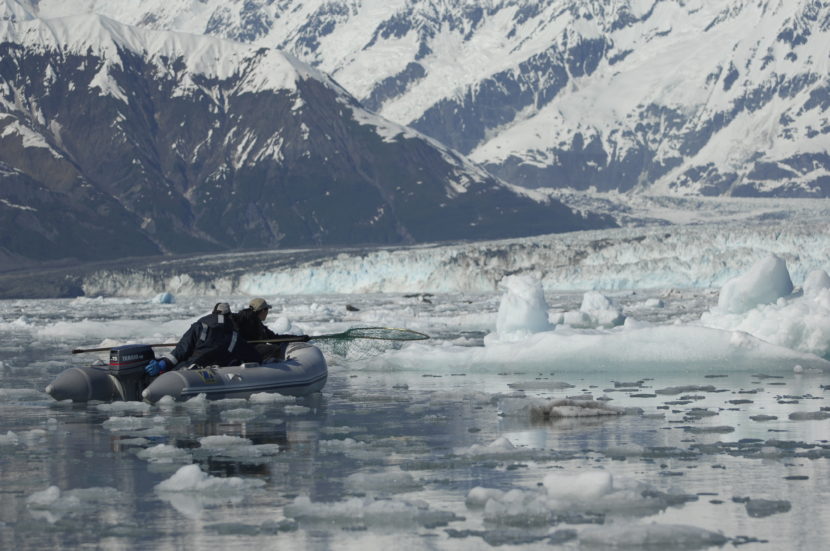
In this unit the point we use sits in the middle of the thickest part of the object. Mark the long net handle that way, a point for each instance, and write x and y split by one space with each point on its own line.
371 333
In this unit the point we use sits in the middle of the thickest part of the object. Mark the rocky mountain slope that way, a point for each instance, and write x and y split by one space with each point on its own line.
710 97
121 141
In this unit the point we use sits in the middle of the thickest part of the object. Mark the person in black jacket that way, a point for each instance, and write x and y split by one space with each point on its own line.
212 340
251 327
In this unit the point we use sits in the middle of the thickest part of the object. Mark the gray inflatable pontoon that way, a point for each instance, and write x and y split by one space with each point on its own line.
302 372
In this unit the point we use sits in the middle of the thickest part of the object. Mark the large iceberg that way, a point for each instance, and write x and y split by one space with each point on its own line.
764 283
791 333
761 303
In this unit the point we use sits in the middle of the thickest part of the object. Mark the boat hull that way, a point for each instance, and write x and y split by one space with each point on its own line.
304 371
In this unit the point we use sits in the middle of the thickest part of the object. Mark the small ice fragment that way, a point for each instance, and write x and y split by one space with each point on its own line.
124 407
809 415
9 439
582 486
165 453
653 536
758 508
815 282
163 298
132 423
238 414
223 441
271 398
500 445
44 498
191 478
477 497
387 482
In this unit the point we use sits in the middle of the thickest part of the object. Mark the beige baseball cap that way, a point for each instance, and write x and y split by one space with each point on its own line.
258 304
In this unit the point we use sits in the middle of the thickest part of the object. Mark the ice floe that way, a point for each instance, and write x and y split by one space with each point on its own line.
650 536
366 512
389 482
191 478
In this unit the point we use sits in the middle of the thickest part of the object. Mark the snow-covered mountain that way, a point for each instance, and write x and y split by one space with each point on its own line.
705 97
121 141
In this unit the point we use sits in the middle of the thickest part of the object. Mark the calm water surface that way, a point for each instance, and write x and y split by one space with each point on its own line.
387 457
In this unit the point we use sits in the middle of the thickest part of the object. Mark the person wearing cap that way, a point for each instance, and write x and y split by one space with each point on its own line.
211 340
250 322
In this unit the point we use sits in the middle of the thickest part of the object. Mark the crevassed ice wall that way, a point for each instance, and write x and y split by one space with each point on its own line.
700 256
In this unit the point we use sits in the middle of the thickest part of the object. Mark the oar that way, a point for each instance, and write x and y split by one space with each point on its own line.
342 339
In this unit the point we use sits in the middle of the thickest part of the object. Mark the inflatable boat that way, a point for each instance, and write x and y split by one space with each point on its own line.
302 372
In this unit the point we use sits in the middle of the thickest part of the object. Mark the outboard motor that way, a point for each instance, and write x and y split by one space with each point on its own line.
127 369
122 379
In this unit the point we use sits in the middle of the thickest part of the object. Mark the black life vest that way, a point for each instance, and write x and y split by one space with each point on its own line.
217 342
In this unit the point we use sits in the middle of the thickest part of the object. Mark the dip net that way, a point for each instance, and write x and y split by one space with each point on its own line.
360 343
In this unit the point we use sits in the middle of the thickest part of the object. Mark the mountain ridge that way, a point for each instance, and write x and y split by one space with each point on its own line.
699 97
182 143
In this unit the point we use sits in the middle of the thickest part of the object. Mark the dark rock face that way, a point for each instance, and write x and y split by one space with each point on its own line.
767 60
142 155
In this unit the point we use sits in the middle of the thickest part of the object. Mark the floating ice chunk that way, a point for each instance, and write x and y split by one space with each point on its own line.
540 385
478 497
498 446
238 414
240 453
341 445
199 401
765 282
165 453
163 298
191 478
653 536
568 493
518 508
354 449
222 441
44 498
809 415
395 481
577 319
815 282
369 512
33 437
271 398
625 450
537 409
52 503
522 310
658 348
169 401
601 309
133 423
9 439
798 322
765 507
267 449
685 389
582 486
296 410
21 395
124 407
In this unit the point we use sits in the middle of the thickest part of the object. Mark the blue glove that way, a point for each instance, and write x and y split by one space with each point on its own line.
157 366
